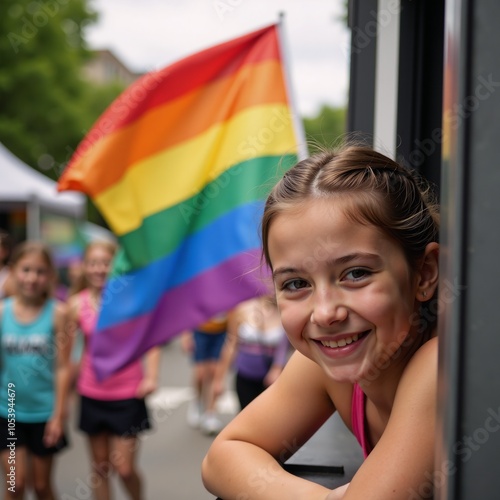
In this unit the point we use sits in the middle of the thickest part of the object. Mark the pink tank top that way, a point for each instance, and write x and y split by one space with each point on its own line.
358 420
122 384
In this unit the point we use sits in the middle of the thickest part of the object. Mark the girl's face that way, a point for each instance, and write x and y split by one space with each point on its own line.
96 266
345 292
32 276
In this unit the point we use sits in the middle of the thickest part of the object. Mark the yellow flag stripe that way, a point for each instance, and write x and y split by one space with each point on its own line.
156 183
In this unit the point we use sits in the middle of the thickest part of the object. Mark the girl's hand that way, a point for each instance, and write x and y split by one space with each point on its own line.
53 432
337 493
146 387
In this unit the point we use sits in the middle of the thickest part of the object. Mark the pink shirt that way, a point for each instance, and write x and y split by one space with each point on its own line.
358 420
122 384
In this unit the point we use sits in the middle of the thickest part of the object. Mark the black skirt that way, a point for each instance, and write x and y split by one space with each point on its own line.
124 417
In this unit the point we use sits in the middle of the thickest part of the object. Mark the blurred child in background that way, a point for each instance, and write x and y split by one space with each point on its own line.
113 411
204 344
257 345
34 374
5 250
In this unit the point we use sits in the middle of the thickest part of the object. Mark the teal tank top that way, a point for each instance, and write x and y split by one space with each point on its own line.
28 359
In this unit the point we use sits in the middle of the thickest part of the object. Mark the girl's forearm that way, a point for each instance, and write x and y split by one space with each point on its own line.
152 364
61 392
236 470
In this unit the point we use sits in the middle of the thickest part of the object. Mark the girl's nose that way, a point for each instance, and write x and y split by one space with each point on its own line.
31 276
328 309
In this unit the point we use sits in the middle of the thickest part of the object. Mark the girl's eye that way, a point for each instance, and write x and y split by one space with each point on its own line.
294 285
357 274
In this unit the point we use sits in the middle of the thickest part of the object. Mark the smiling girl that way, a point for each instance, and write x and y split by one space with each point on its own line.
34 374
351 239
113 411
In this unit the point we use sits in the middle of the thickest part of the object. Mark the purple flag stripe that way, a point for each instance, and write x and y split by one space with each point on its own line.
217 290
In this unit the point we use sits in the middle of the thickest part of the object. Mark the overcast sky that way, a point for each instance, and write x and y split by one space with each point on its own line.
151 34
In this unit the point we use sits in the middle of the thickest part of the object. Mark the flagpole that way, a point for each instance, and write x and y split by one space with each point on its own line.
298 126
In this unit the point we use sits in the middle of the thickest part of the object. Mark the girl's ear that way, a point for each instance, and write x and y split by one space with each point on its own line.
428 272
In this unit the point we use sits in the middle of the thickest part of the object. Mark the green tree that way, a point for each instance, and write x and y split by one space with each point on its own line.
43 97
327 128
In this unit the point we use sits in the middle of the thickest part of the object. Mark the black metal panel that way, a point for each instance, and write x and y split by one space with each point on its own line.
420 87
363 23
469 455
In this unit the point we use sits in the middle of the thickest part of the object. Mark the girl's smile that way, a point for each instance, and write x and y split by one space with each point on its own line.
343 345
344 289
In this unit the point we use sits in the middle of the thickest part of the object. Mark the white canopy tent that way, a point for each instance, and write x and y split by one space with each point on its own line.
22 185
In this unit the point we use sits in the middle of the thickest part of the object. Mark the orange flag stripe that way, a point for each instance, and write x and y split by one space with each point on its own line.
115 153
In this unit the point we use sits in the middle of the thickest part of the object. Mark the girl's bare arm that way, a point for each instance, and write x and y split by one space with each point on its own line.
63 345
149 383
244 461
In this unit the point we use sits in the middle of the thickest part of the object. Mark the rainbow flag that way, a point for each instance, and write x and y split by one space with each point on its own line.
179 165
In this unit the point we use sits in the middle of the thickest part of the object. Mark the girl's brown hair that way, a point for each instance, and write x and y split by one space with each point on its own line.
104 244
374 190
5 244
